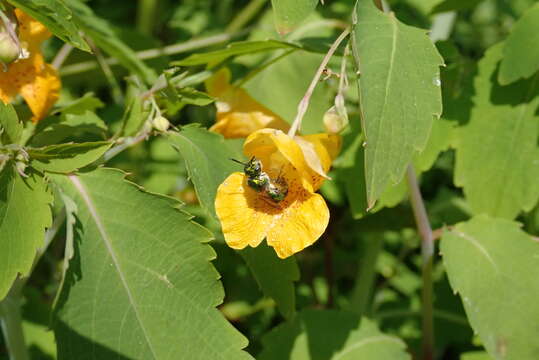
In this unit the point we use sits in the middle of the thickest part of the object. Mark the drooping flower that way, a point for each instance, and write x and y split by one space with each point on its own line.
238 114
248 216
36 81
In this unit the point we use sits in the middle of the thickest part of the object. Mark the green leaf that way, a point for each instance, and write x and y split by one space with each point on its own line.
290 13
105 38
56 16
140 284
67 158
79 106
497 160
263 264
331 335
10 126
520 54
234 49
207 157
475 355
494 266
24 215
76 122
282 97
134 116
399 87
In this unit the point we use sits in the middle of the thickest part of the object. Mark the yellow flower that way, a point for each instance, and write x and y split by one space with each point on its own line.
248 216
37 82
238 114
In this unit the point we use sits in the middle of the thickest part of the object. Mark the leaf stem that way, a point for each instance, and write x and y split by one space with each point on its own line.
11 322
427 254
304 103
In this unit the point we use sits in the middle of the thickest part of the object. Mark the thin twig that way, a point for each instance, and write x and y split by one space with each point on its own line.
61 56
107 71
154 53
245 15
304 103
427 254
128 142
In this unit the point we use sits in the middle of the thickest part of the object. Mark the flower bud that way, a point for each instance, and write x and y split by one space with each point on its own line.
10 48
336 118
161 123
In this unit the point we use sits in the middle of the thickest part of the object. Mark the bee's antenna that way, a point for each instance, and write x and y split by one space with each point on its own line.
239 162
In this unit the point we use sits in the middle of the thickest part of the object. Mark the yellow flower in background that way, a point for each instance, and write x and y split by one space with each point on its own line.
238 114
248 216
37 82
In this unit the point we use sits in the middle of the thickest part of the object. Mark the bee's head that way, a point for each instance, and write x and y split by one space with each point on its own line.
253 167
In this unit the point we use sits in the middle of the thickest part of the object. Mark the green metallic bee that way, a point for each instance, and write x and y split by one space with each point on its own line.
275 189
256 178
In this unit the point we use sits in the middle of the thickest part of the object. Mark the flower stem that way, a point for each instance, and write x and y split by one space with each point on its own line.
304 103
427 254
11 322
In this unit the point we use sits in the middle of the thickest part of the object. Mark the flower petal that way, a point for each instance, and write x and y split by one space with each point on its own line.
299 225
238 114
276 149
42 93
36 81
31 31
245 217
326 148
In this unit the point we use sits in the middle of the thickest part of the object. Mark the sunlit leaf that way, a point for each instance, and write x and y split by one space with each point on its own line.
290 13
497 161
493 265
399 85
24 215
10 126
331 335
67 158
235 49
140 285
520 54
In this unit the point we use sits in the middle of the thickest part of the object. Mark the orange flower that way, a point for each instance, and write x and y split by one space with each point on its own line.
37 82
238 114
248 216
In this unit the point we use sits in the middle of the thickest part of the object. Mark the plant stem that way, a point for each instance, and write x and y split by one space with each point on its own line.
11 321
304 103
153 53
245 15
128 142
61 56
107 71
146 11
366 273
427 254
